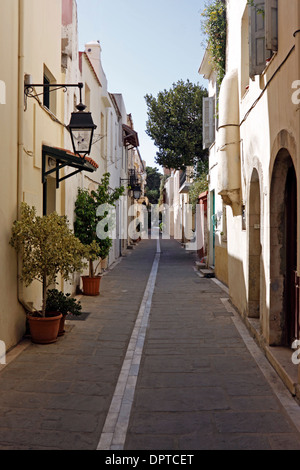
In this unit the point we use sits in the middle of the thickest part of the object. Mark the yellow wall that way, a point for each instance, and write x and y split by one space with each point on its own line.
20 178
42 47
221 264
11 314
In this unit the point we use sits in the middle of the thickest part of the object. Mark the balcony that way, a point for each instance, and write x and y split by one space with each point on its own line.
185 181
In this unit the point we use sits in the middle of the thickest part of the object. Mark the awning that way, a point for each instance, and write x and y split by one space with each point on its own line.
130 137
65 158
68 158
62 158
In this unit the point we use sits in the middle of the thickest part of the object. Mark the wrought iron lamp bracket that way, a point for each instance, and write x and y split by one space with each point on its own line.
29 89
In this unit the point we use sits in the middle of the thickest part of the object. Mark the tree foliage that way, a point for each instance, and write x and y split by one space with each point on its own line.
215 28
47 246
86 221
153 184
199 185
175 124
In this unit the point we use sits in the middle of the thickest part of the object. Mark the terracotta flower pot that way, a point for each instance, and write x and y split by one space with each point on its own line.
44 330
91 285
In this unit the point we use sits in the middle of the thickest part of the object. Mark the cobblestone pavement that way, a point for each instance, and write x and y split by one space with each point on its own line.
164 368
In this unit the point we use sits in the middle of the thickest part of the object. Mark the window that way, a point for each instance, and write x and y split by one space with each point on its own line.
208 122
263 40
245 52
49 97
46 101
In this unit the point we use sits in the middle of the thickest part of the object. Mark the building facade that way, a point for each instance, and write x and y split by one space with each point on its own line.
39 60
257 159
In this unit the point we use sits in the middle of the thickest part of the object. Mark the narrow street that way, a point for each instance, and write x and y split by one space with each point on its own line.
159 361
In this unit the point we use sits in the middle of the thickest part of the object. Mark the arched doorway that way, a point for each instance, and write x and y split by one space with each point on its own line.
254 273
284 321
292 319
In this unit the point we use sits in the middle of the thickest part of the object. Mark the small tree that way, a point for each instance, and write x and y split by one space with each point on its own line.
175 125
215 29
47 247
86 221
152 190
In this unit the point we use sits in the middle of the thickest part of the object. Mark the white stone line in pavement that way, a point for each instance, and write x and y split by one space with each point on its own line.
284 396
115 428
15 352
221 285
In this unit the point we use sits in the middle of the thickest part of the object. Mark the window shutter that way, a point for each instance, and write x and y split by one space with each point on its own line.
208 122
257 41
271 25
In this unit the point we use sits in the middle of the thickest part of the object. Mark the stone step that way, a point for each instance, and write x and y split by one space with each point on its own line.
207 272
200 265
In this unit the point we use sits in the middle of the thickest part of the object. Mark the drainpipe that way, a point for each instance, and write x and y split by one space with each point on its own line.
297 44
20 185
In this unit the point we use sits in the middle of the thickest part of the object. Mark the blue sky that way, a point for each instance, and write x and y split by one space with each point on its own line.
146 47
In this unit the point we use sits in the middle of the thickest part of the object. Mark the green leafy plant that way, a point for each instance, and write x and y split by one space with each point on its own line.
175 124
260 10
57 301
47 247
199 185
215 28
152 190
87 220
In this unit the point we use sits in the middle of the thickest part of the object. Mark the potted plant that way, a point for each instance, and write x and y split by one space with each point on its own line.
47 248
85 228
106 245
63 304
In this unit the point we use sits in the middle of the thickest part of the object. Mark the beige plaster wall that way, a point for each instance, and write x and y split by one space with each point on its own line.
266 111
11 313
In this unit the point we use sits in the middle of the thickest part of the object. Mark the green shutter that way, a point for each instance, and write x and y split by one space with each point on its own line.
257 40
271 25
208 110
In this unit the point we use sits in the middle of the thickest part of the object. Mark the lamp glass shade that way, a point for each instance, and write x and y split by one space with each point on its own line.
137 193
82 128
82 140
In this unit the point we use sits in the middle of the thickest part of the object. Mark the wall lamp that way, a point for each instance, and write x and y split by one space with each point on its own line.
81 126
133 182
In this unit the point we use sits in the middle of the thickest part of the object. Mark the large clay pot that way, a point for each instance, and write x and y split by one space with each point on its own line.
91 285
44 330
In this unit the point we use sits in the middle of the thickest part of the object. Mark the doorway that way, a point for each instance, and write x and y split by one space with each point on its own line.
284 307
292 314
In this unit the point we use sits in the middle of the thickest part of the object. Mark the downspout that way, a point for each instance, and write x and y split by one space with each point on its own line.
20 184
297 44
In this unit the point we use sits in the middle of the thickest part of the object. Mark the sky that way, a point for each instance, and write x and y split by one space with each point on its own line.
147 46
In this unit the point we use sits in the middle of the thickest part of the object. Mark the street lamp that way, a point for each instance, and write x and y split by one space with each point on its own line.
137 192
81 125
81 129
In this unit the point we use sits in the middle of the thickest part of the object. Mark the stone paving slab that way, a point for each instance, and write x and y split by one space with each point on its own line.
199 387
57 396
193 382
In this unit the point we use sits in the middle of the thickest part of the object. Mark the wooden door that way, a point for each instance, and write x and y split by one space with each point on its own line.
291 280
